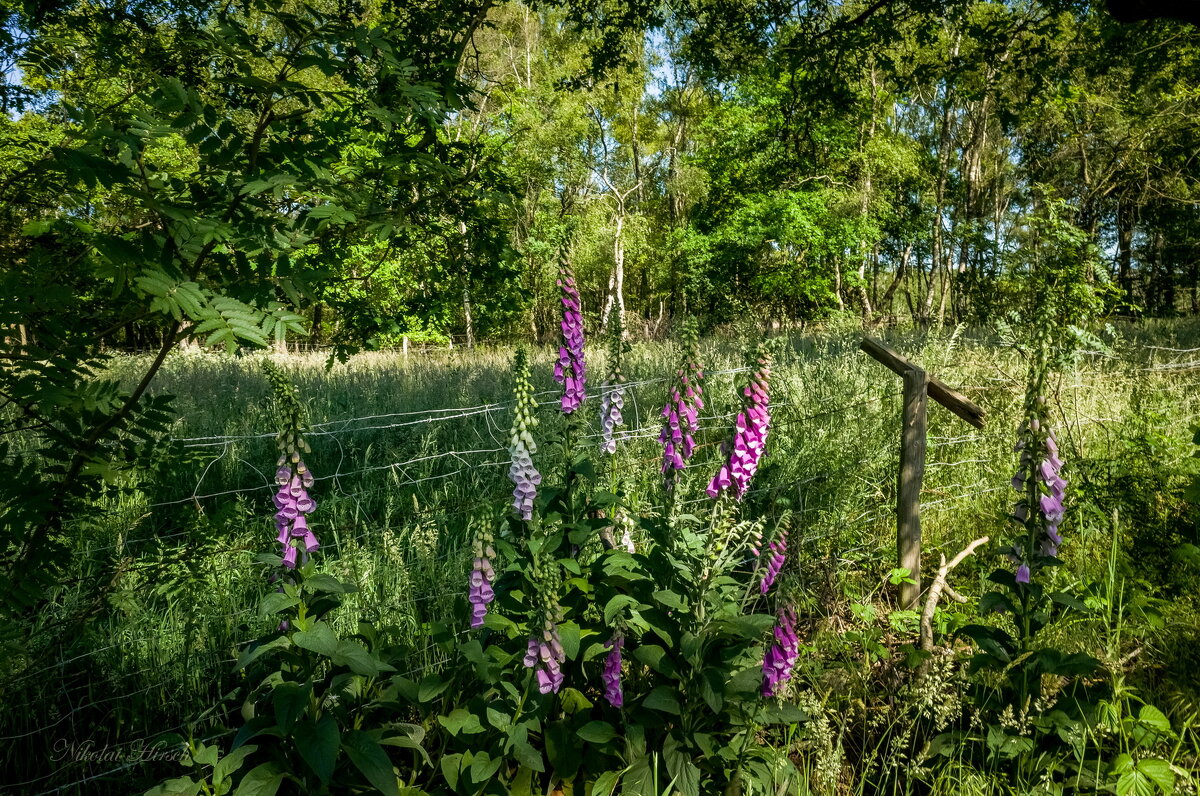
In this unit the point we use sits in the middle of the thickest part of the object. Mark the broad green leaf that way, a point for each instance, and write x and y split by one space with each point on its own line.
368 757
317 743
616 604
430 687
681 768
256 651
606 783
261 780
354 655
327 583
597 732
1159 772
451 766
320 639
289 701
663 698
484 767
461 720
573 701
182 786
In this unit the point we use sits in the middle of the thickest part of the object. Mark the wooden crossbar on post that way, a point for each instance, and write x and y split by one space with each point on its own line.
918 387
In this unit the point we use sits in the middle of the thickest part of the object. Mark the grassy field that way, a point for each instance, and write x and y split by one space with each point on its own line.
410 459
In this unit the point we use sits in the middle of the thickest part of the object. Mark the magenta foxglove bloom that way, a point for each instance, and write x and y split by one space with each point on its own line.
483 576
569 370
612 671
545 655
293 505
750 433
774 561
521 448
681 414
781 656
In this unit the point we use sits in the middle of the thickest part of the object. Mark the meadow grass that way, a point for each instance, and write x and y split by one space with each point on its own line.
409 453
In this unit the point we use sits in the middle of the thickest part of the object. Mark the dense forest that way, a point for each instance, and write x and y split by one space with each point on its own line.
379 169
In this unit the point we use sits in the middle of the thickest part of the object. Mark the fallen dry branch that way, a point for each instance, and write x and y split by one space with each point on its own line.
938 586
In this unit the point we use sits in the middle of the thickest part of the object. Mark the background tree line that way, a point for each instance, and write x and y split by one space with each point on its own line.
232 172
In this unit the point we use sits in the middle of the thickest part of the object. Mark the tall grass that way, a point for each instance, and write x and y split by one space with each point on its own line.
167 580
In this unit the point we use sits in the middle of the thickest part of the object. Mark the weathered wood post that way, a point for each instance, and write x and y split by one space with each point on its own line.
918 387
912 473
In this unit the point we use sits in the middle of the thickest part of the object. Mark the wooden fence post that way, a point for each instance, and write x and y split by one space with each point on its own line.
912 472
919 386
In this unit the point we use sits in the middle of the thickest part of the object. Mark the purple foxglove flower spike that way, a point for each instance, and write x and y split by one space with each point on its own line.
569 370
681 418
750 432
480 593
545 655
292 502
781 656
612 671
521 472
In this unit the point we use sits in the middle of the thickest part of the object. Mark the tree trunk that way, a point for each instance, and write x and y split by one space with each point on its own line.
1125 248
616 280
885 303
